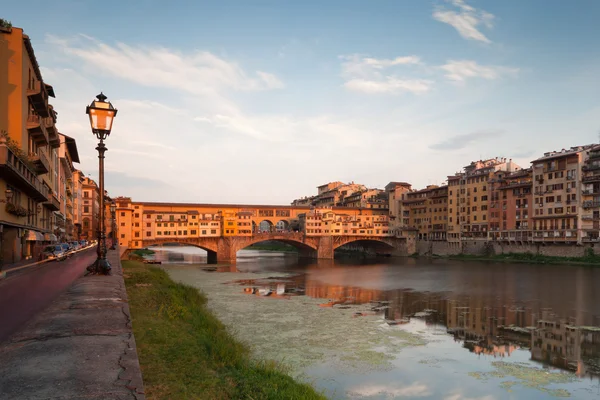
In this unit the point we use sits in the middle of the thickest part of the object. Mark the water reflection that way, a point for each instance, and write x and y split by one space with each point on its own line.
492 318
547 314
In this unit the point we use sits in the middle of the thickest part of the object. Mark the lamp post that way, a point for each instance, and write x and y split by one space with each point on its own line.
101 115
113 211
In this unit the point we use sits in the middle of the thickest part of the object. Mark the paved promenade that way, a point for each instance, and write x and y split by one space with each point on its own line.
80 347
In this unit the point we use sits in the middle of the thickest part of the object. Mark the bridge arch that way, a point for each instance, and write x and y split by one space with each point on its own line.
306 247
282 225
379 245
210 245
266 225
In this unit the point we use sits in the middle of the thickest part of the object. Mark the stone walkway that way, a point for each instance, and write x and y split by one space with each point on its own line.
80 347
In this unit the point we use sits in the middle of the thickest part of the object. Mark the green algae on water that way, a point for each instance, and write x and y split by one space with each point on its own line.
298 333
527 376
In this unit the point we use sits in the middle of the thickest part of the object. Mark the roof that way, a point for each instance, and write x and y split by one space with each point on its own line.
394 184
72 148
553 155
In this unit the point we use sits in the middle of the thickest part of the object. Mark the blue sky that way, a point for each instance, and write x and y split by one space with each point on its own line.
260 102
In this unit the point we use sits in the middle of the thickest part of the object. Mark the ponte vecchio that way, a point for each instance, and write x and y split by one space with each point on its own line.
223 229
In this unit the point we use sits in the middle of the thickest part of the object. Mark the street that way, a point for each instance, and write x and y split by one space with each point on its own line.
31 290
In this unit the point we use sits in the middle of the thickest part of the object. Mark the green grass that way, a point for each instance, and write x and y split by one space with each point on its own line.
185 352
589 258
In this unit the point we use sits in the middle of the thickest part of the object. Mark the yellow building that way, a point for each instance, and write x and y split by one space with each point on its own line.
470 198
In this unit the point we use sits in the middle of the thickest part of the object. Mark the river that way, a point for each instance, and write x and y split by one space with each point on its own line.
410 328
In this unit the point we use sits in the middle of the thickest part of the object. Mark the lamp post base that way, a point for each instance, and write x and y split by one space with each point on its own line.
100 267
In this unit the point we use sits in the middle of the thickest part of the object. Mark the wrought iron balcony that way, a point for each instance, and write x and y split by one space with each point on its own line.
18 173
39 98
37 130
40 162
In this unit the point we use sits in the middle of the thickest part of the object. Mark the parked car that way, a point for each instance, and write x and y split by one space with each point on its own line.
54 251
83 243
75 245
67 249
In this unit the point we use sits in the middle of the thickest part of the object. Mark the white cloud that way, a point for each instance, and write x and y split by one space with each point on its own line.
392 390
364 74
389 85
461 70
154 66
465 19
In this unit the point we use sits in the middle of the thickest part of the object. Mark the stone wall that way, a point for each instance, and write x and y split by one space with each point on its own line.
484 248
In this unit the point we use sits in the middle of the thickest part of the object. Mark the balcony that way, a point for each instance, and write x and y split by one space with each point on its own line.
594 155
591 204
52 204
40 162
39 98
591 178
591 167
50 126
17 173
37 130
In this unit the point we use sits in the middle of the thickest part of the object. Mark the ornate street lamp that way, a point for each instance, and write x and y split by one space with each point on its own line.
101 115
113 211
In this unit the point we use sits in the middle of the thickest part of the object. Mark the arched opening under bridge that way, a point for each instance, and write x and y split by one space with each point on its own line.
364 247
276 248
183 253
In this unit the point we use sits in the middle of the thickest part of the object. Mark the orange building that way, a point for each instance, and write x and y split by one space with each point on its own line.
30 175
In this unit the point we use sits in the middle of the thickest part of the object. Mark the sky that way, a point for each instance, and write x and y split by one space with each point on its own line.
260 102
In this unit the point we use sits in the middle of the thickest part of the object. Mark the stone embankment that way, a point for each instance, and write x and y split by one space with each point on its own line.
80 347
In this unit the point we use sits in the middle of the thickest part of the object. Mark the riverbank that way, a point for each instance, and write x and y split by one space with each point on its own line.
186 352
528 258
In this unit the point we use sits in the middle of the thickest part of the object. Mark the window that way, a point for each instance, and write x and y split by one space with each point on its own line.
122 236
148 224
86 209
137 234
193 232
137 215
122 214
148 234
204 232
122 223
213 231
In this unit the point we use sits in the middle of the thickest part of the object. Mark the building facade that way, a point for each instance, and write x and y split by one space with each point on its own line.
29 152
90 209
558 191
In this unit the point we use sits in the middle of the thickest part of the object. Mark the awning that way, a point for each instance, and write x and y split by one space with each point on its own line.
34 236
50 237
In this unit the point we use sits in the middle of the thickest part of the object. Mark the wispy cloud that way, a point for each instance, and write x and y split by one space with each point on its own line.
465 19
461 70
193 72
366 75
462 141
389 84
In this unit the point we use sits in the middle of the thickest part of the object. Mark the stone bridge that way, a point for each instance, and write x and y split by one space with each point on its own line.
225 248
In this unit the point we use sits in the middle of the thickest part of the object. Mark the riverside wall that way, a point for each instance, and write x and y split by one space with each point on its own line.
486 248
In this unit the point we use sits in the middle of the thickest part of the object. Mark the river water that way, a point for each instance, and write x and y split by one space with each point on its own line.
410 328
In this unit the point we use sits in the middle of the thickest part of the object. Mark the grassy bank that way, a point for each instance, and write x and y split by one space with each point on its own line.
529 258
186 353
